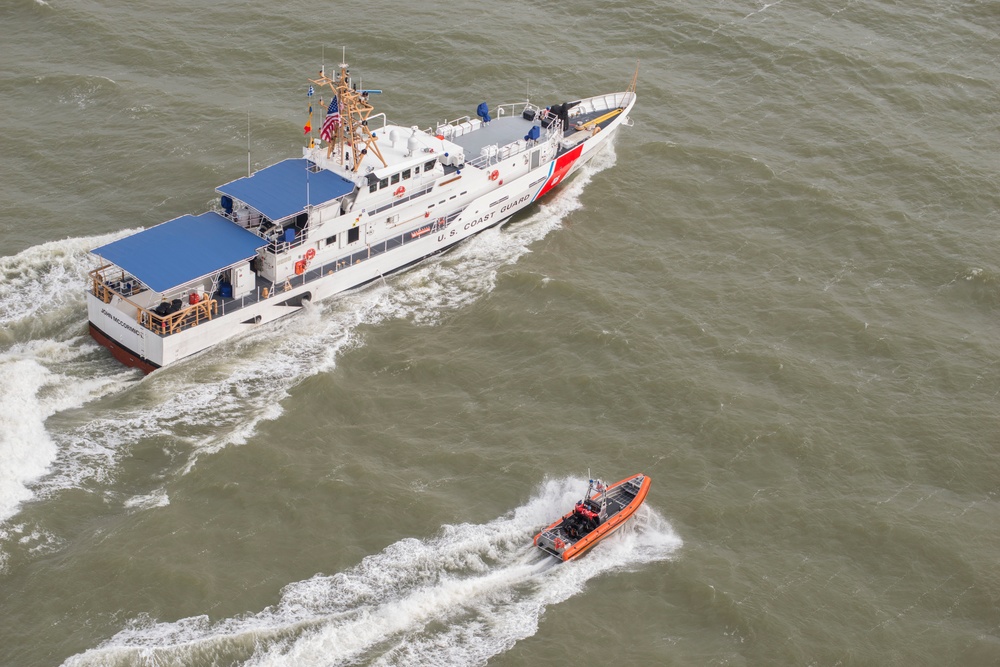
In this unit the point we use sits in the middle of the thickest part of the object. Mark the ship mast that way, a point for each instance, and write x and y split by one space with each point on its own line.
352 140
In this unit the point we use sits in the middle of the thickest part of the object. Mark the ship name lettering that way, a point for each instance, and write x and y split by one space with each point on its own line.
122 323
477 221
515 204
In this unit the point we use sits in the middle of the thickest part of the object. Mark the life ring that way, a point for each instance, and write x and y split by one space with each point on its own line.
310 254
558 543
494 175
399 191
300 267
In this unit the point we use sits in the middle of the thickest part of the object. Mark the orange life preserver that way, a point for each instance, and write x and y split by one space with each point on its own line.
494 175
300 267
310 254
399 191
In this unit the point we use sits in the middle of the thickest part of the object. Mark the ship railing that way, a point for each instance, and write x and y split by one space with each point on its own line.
402 200
371 119
109 280
191 315
364 253
280 246
501 153
516 109
185 318
457 127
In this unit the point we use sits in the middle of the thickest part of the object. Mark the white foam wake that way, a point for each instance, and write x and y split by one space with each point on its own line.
45 359
459 598
211 400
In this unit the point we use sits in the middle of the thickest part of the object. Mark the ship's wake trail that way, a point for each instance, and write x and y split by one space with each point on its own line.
72 426
459 598
47 362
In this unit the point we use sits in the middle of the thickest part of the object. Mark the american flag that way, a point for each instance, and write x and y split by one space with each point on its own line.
331 122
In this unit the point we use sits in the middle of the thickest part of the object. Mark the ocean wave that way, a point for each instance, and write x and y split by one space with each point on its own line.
461 597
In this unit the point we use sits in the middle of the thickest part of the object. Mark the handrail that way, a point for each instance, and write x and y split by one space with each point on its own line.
174 322
205 309
385 120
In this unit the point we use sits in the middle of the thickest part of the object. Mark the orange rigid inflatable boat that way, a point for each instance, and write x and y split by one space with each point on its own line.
603 510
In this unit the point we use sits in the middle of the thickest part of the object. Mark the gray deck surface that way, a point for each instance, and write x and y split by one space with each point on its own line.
499 131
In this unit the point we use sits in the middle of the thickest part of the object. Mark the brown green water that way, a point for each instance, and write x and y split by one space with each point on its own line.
777 295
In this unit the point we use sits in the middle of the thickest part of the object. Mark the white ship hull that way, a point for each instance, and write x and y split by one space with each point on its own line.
444 209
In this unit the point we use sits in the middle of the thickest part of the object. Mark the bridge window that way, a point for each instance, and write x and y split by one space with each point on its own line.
395 179
353 234
406 174
429 165
384 183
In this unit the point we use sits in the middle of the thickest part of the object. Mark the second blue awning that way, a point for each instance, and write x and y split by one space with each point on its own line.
287 188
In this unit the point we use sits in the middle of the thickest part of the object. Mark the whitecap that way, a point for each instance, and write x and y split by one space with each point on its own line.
461 597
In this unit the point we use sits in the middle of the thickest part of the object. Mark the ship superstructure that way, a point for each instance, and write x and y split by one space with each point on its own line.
364 200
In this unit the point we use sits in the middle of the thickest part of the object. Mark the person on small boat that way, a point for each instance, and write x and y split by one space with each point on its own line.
585 510
585 518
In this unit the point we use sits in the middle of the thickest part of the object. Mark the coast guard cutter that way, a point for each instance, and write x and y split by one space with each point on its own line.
365 199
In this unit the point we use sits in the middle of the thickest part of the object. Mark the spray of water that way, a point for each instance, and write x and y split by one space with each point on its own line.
51 365
458 598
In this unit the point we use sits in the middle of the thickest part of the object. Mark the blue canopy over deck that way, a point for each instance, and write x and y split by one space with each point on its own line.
180 251
287 188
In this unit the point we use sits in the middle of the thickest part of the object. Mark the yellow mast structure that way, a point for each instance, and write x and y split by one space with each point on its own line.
353 140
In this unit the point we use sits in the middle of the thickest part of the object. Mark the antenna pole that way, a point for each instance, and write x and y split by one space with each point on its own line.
248 142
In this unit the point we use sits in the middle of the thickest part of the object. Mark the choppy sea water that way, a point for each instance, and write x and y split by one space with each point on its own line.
777 295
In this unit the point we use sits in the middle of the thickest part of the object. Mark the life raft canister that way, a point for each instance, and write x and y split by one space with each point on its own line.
495 174
400 191
300 267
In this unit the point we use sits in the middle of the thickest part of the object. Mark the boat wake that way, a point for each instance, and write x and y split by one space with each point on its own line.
53 369
47 362
459 598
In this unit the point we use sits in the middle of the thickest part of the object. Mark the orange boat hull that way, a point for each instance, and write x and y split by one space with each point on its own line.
612 524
